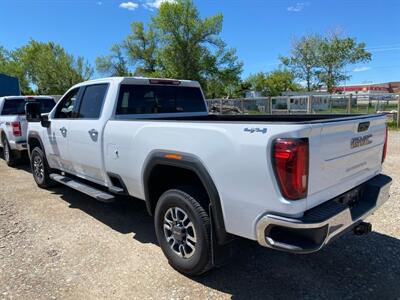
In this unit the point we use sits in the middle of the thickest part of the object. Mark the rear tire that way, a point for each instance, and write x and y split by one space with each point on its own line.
40 169
9 155
183 231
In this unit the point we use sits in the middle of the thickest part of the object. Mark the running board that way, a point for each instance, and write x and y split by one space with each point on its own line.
116 190
83 188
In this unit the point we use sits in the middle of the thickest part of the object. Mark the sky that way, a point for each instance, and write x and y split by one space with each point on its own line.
260 30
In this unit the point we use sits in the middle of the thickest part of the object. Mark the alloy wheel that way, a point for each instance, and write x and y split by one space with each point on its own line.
179 232
6 151
38 168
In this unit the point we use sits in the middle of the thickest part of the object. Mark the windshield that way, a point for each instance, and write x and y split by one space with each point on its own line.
17 106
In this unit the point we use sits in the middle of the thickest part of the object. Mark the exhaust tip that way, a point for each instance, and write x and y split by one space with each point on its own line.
300 240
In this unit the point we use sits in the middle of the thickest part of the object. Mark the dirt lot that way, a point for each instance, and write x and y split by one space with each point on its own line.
59 244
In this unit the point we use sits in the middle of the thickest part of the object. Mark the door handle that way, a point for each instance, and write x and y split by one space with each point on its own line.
93 134
63 131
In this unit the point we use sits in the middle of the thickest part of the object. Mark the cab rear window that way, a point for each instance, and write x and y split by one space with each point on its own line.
158 99
17 106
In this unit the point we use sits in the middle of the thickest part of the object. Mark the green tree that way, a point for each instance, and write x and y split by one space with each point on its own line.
186 40
141 47
49 68
303 61
223 77
258 82
178 43
113 64
279 81
317 59
10 65
335 53
273 83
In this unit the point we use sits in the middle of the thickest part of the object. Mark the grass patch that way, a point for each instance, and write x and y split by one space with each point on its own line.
393 126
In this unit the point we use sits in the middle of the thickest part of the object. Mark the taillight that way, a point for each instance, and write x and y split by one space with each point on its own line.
16 128
385 145
290 159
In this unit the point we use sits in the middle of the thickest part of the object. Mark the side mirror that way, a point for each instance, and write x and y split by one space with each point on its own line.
44 120
32 111
33 114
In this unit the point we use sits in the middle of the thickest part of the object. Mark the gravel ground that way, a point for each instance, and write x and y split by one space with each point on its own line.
60 244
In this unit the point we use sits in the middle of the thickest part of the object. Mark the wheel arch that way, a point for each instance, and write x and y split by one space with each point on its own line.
34 140
2 132
188 163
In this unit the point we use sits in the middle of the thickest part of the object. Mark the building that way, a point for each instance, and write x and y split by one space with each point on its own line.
394 87
369 88
9 86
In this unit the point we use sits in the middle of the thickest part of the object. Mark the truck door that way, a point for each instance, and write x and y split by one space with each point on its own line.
86 134
58 154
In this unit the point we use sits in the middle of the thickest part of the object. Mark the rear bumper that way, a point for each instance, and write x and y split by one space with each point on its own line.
321 224
19 146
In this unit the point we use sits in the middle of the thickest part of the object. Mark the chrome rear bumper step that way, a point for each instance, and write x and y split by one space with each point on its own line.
83 188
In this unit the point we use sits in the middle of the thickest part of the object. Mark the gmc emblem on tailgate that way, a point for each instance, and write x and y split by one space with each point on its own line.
361 141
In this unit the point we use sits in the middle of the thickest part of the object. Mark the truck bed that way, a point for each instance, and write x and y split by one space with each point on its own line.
286 119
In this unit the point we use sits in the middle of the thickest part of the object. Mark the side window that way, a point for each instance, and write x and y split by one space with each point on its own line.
92 101
46 105
66 107
14 107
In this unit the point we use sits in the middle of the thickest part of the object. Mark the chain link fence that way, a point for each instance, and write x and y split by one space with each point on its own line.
310 104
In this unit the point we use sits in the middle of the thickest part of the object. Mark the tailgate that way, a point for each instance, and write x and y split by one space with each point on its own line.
344 154
7 120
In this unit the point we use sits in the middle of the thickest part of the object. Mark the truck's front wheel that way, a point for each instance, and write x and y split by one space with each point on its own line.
40 169
183 231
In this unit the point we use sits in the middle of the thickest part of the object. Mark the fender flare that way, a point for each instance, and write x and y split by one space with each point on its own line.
1 135
194 164
3 132
34 135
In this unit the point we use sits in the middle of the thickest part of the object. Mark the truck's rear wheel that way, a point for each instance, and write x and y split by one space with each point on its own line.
9 155
183 231
40 169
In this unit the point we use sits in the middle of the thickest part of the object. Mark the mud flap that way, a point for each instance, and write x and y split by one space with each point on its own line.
221 254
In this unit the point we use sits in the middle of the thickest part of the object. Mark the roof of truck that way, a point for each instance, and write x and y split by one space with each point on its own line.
25 97
142 80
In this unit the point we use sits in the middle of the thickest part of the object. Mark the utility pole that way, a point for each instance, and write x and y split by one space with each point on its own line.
349 103
309 104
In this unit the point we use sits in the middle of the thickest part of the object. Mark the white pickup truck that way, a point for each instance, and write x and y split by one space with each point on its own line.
290 182
13 125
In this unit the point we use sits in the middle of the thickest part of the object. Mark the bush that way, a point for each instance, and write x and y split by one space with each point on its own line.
392 125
